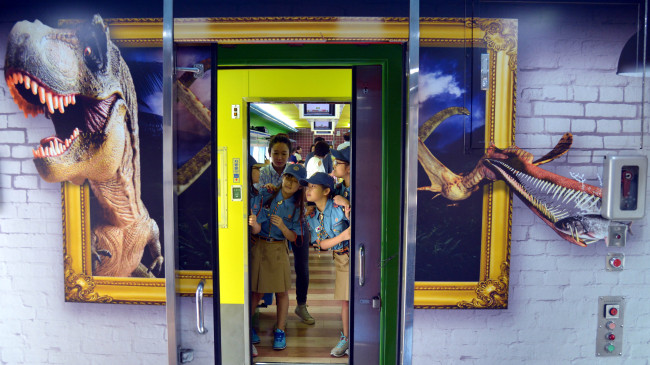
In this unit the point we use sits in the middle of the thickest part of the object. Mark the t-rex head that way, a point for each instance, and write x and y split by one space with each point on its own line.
78 79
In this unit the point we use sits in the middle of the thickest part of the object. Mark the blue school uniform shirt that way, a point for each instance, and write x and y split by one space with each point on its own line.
281 207
341 190
334 223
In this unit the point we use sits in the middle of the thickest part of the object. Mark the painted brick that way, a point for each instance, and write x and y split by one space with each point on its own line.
12 196
599 79
623 142
12 136
25 182
610 110
558 109
611 94
5 151
530 125
36 133
583 125
631 126
12 355
608 126
632 94
27 167
554 93
527 141
585 93
43 196
21 152
557 125
10 167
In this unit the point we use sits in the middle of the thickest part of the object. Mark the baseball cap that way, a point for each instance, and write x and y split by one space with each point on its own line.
319 178
296 170
343 155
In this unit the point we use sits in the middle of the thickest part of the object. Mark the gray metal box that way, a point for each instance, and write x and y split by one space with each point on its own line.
624 185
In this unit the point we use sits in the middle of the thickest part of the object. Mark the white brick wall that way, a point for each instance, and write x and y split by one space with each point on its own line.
566 83
36 325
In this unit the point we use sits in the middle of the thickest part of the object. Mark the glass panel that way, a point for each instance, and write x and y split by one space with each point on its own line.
466 97
195 197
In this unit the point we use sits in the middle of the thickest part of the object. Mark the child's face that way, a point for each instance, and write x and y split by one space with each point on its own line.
255 175
316 192
279 154
290 184
341 169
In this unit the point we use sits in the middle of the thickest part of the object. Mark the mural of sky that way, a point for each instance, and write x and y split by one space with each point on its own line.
446 80
449 233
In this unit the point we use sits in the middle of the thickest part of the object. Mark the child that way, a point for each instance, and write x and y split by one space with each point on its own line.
254 203
342 171
279 220
329 227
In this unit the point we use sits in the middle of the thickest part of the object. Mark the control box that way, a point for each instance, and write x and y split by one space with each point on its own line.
624 183
609 335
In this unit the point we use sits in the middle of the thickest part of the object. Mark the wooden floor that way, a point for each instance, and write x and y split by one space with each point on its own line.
306 343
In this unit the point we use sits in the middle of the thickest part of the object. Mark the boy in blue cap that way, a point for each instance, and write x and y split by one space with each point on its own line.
330 229
279 220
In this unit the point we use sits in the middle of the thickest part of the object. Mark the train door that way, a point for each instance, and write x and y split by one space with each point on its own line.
245 75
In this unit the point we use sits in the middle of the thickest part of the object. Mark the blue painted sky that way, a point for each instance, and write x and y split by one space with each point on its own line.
446 80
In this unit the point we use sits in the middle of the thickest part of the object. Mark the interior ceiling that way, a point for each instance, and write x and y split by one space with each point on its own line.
291 112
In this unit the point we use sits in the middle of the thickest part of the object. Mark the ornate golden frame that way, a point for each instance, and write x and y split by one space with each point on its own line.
499 36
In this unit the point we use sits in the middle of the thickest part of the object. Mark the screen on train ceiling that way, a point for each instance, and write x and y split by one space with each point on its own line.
320 125
319 110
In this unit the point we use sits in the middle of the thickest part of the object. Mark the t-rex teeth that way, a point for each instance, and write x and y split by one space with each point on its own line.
28 82
50 103
41 94
34 87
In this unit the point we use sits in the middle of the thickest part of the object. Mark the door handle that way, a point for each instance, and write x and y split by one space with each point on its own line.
200 328
362 265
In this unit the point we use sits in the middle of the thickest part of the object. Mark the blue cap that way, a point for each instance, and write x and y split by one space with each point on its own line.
296 170
319 178
343 154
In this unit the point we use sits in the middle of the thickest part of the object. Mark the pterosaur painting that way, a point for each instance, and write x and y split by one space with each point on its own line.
78 79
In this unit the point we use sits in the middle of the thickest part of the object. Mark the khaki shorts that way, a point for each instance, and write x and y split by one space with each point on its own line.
270 270
342 282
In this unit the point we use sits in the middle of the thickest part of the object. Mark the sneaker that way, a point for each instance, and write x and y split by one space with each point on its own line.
301 311
279 340
255 338
341 347
254 351
347 352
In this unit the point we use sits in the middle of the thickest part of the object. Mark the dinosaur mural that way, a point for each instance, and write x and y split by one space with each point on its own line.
569 207
78 79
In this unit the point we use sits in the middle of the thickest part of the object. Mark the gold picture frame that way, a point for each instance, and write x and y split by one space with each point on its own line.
499 36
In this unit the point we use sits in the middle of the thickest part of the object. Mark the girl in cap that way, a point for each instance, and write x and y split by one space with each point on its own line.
342 171
279 220
254 205
330 229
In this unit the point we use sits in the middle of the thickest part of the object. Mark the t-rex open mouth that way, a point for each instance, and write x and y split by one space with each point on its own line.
34 98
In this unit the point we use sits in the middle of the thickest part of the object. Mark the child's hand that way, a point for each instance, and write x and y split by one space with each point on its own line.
271 187
339 200
347 212
309 209
277 221
252 220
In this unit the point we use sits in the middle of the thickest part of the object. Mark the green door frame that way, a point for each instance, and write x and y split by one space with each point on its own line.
391 58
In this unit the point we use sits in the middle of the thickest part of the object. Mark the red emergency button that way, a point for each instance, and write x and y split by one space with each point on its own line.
615 262
611 336
613 311
610 325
